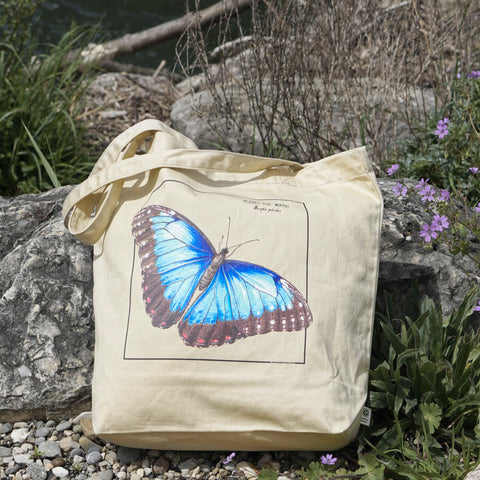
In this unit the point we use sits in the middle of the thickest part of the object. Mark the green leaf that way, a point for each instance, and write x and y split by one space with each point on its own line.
51 174
432 415
397 344
371 468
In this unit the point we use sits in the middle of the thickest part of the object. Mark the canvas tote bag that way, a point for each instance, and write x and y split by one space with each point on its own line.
233 295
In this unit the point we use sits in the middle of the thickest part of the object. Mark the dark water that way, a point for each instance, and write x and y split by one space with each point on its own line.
116 18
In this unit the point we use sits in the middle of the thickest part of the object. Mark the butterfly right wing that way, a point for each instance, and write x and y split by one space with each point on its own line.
174 254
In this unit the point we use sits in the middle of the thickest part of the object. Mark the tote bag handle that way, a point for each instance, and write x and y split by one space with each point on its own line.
88 208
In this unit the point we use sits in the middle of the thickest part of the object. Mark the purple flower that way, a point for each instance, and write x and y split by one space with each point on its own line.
476 308
427 233
393 169
439 223
442 128
427 193
399 189
328 459
421 183
444 196
477 208
474 74
474 170
229 458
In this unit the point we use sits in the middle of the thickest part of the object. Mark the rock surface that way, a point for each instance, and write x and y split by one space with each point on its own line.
46 318
403 257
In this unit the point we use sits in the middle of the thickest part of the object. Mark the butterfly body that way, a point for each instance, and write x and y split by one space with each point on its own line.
213 299
217 261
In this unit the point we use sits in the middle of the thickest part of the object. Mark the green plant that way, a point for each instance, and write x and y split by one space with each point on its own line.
76 468
36 454
41 141
268 474
446 159
425 388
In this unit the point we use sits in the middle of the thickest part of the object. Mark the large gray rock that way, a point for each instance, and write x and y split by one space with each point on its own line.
46 340
403 257
46 317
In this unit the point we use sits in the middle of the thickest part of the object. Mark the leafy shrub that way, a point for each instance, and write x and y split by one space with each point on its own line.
448 157
40 145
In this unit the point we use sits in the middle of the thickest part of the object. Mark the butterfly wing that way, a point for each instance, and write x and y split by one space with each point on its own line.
174 255
243 300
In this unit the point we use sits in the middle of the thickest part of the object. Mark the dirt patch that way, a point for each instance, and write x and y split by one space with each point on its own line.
116 101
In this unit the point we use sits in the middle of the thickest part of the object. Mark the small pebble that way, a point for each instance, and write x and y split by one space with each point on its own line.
195 471
87 427
50 449
93 457
65 425
42 432
13 469
87 444
105 475
5 451
50 423
77 429
22 459
128 455
78 459
36 471
66 443
58 462
75 452
60 472
111 457
20 425
6 428
19 435
189 464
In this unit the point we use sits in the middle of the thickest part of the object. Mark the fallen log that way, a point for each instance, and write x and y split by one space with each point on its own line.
132 43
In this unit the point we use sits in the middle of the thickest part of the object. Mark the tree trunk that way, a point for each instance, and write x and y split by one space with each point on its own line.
132 43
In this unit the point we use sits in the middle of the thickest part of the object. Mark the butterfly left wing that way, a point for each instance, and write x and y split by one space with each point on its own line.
243 300
174 255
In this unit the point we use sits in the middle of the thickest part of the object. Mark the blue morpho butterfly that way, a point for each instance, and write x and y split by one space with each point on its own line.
215 300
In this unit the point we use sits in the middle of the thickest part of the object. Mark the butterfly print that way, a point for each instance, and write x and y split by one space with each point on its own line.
214 300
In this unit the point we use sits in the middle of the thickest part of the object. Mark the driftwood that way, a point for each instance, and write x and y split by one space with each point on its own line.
131 43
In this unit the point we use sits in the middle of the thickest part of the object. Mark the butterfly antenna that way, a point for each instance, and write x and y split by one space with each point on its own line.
228 235
228 231
236 247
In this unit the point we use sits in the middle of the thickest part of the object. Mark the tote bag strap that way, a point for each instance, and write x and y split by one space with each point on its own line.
88 208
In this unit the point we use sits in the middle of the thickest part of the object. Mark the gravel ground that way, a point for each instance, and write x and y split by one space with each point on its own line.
40 450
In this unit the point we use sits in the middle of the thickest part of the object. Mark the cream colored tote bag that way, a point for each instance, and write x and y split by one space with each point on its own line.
234 295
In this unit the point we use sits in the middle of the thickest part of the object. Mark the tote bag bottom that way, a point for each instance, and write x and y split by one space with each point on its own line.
233 441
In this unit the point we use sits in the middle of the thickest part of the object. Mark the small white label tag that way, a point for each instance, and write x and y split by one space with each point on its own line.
366 416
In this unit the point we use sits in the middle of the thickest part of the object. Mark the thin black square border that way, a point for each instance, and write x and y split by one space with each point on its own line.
134 257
